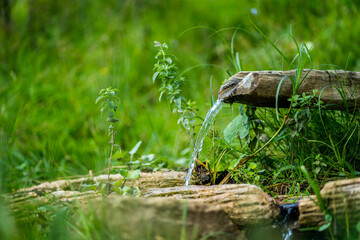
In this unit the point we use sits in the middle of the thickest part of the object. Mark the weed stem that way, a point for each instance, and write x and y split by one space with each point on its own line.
111 152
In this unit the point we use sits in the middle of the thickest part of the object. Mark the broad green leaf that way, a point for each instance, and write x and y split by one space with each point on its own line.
118 183
177 101
135 148
134 174
252 165
119 154
124 173
161 95
238 126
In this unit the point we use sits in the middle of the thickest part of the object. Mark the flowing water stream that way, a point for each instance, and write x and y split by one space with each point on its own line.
209 119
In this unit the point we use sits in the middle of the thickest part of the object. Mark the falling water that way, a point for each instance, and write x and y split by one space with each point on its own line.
210 116
291 214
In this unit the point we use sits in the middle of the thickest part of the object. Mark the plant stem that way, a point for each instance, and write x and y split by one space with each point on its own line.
111 152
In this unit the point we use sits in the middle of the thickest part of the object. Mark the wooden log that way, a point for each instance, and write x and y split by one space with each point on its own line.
147 180
247 205
258 88
73 190
162 218
341 197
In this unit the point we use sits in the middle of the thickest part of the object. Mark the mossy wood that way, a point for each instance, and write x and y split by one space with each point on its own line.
259 88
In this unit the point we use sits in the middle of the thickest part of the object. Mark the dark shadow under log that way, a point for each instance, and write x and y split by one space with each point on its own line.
339 89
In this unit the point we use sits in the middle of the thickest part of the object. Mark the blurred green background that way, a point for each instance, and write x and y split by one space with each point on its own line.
55 56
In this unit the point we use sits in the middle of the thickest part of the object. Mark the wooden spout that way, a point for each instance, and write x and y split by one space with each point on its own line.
258 88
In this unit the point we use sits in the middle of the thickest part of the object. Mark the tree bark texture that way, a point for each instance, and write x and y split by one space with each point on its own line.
247 205
162 218
258 88
341 198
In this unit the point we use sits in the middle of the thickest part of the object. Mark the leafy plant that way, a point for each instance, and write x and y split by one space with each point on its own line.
119 186
319 164
108 100
249 173
238 127
166 71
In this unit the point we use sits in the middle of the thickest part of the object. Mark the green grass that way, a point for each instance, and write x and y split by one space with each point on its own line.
58 55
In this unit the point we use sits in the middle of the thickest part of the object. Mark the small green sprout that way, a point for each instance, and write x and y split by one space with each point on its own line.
109 101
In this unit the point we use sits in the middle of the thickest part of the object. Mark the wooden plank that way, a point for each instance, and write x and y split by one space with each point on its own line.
258 88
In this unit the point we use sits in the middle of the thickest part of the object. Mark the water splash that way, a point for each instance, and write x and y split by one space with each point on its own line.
210 117
290 213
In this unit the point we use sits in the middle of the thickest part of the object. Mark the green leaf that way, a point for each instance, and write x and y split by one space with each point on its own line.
118 183
119 154
157 44
134 174
358 226
238 126
324 227
135 148
252 165
98 99
91 186
177 101
161 95
169 60
126 190
155 76
124 173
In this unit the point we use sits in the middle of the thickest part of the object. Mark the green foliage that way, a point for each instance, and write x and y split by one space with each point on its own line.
239 126
108 100
7 225
119 187
166 71
306 101
249 173
55 60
